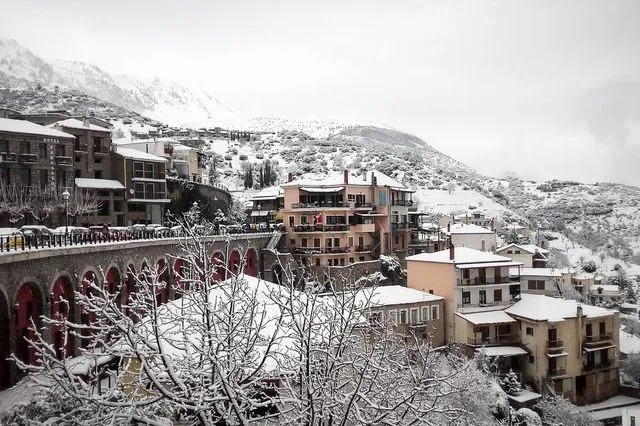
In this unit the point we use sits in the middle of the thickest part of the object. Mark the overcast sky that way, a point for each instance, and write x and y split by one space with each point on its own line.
541 88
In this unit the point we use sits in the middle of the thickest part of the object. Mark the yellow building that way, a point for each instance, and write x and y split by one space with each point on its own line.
573 348
342 219
469 280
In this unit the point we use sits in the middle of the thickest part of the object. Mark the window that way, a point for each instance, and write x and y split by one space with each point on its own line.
98 174
350 241
414 316
529 331
425 313
316 242
497 295
465 273
375 318
291 221
535 284
25 177
303 242
435 312
44 178
466 297
483 297
403 316
393 316
42 151
382 198
532 359
632 420
25 147
4 146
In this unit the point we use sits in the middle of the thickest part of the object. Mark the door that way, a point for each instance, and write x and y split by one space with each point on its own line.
483 297
482 272
589 331
552 336
603 329
497 274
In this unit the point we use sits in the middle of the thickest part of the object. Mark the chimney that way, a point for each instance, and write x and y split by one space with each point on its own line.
86 121
290 177
374 180
452 251
579 310
346 177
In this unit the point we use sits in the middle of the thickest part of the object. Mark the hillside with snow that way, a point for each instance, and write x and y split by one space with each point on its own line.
164 101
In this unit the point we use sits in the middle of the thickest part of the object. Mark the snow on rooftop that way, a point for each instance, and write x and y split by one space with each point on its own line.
461 255
393 295
269 193
584 276
544 308
29 128
463 228
502 351
337 179
137 155
74 123
488 317
529 248
98 183
540 272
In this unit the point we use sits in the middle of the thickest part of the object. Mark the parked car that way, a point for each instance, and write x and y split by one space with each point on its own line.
33 232
235 229
13 236
71 230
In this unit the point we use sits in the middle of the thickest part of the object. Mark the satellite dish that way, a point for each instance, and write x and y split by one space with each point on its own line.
131 191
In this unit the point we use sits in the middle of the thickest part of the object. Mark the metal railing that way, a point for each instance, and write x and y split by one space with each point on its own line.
321 250
402 202
362 249
8 157
28 158
555 344
81 147
150 195
599 338
321 228
63 160
557 372
598 366
399 225
492 340
485 281
143 175
100 149
321 205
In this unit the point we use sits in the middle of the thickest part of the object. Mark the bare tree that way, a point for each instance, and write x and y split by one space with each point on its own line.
83 202
45 205
242 350
16 202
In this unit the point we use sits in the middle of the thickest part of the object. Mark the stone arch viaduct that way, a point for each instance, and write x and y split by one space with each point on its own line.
33 281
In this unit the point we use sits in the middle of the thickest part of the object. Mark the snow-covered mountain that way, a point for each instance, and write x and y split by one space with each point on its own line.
168 102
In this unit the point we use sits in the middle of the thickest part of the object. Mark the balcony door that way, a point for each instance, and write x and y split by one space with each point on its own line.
552 336
589 330
483 297
482 273
603 329
497 274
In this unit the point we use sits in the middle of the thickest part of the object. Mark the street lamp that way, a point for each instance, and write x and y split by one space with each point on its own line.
65 197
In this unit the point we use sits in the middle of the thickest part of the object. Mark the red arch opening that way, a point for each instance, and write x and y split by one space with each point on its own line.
113 282
234 262
217 266
29 308
62 307
251 263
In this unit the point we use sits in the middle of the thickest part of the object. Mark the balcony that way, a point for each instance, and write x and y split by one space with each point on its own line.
319 206
405 203
149 195
598 339
556 372
363 205
62 160
487 281
483 306
80 147
138 175
321 228
555 345
399 225
321 250
362 249
492 340
602 365
28 158
100 149
8 157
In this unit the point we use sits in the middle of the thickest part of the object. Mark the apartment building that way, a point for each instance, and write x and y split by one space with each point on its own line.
144 180
471 236
35 158
573 348
470 280
341 219
530 255
92 169
415 314
266 204
541 281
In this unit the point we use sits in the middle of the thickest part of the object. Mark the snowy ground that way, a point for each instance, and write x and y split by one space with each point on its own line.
20 394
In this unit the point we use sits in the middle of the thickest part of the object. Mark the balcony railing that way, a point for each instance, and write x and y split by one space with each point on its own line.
142 175
402 203
8 157
399 225
80 147
598 366
100 149
492 340
62 160
322 205
598 338
321 250
149 195
555 344
28 158
486 304
363 205
495 280
321 228
362 249
557 372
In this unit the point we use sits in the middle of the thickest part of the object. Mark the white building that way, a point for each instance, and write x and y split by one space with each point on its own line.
472 236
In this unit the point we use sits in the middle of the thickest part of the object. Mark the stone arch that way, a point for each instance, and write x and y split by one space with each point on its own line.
277 274
29 307
62 309
251 263
162 278
89 273
234 263
112 280
217 266
5 320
